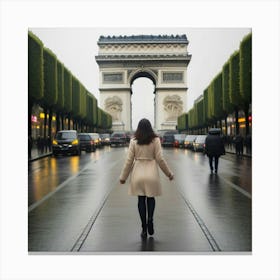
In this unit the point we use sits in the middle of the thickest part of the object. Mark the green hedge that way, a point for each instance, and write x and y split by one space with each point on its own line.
60 86
75 97
191 114
50 78
53 86
83 100
67 90
35 67
200 113
95 111
234 88
89 108
183 122
218 96
227 106
229 91
205 106
246 68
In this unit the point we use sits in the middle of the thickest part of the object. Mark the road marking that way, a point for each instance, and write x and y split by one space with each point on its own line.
236 187
211 240
83 236
59 187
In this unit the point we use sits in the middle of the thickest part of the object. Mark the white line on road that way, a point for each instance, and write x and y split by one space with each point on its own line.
236 187
59 187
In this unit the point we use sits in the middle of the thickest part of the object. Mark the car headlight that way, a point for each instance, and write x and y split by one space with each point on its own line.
75 142
54 142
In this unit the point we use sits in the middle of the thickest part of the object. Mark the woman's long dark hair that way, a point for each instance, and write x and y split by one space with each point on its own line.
144 133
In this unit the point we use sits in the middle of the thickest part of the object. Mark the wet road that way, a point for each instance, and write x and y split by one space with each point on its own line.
76 204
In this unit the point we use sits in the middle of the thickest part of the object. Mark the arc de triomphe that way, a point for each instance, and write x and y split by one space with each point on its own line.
163 59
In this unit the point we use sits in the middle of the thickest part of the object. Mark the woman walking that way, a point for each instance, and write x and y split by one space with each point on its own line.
144 154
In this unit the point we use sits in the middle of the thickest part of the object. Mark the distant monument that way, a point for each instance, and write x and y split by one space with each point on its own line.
163 59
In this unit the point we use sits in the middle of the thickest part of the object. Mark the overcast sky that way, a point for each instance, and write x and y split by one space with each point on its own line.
210 49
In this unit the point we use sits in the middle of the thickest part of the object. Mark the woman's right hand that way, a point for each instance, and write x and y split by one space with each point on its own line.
171 177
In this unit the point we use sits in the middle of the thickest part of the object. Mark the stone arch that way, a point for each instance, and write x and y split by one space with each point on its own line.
161 58
143 73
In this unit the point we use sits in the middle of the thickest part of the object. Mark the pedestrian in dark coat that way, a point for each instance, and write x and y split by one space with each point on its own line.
239 145
214 147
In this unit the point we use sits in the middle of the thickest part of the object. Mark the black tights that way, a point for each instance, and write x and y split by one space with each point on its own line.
151 203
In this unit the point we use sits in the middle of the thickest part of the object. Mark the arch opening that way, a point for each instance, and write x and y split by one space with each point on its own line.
142 100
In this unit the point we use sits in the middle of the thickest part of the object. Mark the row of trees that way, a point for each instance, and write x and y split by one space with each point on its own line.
229 92
59 92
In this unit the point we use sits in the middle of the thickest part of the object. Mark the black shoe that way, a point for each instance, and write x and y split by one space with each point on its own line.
151 228
216 171
144 234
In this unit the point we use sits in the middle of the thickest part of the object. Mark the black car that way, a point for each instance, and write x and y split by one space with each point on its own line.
118 138
66 142
86 142
168 140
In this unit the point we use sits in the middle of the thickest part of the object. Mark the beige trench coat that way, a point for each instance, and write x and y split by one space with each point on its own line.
141 162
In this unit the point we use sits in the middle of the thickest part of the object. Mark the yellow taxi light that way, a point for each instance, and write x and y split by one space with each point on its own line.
75 142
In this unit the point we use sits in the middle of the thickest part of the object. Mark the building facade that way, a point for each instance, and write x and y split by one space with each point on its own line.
163 59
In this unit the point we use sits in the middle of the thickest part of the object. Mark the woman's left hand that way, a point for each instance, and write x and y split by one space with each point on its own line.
122 181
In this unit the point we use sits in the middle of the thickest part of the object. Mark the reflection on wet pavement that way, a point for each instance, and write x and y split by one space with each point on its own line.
92 202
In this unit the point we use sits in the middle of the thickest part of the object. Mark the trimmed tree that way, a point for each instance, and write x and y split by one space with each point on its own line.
50 87
75 101
234 88
60 96
35 74
227 106
218 98
183 122
68 94
246 75
205 108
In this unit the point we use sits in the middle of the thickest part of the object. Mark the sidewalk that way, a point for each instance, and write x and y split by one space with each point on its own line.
36 154
231 150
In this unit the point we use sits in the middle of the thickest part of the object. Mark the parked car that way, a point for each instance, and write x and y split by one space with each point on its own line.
179 140
118 138
96 138
86 142
199 143
66 142
105 139
189 141
168 140
129 135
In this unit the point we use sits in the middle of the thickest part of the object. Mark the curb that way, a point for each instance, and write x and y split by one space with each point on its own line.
39 157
